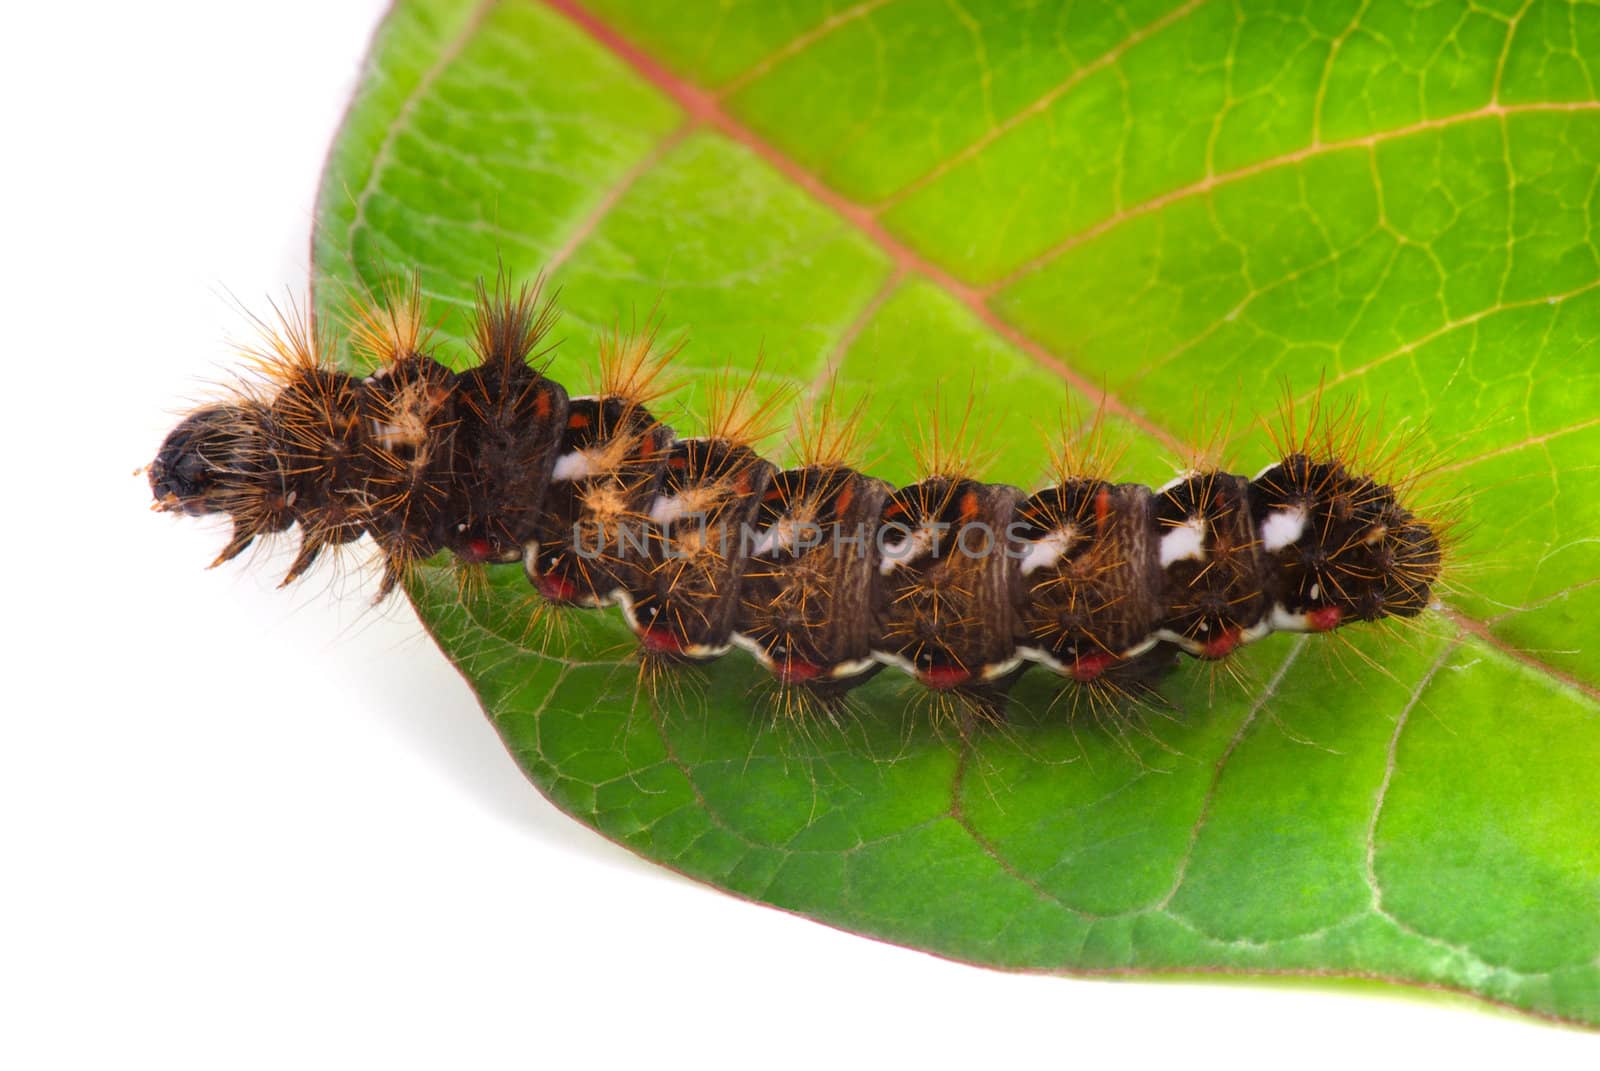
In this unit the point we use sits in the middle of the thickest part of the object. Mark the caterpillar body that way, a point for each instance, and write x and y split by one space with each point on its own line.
825 574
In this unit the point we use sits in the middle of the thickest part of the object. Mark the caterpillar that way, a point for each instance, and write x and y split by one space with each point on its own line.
824 574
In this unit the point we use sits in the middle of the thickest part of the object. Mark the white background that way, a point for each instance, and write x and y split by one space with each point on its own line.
244 827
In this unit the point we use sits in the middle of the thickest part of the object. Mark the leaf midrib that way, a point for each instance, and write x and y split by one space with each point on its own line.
704 110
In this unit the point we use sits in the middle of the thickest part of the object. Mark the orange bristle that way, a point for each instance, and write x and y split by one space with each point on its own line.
948 444
510 322
736 414
632 368
288 345
827 436
389 325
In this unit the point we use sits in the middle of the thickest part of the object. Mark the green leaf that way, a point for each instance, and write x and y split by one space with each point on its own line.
1187 204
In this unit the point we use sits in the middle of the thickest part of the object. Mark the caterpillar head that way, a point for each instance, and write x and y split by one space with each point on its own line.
209 460
217 461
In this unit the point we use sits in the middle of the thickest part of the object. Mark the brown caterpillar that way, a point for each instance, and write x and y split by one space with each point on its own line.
823 573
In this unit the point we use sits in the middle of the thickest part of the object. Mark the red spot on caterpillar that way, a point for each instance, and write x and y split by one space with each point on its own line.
578 420
942 677
796 672
476 550
969 507
541 405
660 641
1087 668
842 503
772 495
1102 507
556 588
742 484
1324 620
1221 646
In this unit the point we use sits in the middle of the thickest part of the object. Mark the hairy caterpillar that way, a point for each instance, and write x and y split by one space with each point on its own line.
824 574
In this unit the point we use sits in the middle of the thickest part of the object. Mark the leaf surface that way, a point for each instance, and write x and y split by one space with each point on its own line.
1185 205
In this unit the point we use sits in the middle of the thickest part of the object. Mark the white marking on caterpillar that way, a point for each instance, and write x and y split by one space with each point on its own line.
704 652
626 602
996 670
390 435
1283 527
758 652
900 662
1044 658
1177 481
1188 644
853 668
770 541
1047 551
787 534
1259 630
666 509
1140 648
1186 542
574 466
1284 621
906 551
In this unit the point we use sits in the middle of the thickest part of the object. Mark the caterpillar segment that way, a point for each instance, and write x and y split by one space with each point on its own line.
514 417
823 573
589 544
591 541
688 601
1089 563
1210 569
948 614
810 596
